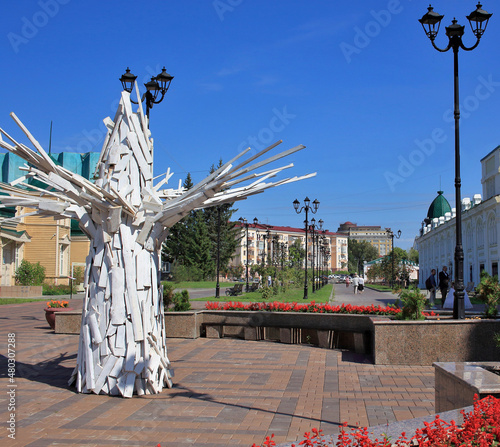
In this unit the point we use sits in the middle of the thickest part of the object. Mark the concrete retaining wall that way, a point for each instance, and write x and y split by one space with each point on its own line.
390 342
20 291
425 342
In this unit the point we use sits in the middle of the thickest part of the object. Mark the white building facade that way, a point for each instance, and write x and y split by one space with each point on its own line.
480 230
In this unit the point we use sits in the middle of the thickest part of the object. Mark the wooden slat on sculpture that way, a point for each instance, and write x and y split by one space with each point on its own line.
122 346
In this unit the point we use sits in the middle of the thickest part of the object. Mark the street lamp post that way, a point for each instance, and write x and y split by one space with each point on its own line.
217 286
392 235
318 272
298 210
315 251
158 84
431 21
245 224
313 233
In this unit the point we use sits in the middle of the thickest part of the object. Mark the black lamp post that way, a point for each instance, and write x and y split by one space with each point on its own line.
245 224
315 251
431 21
217 286
298 210
392 235
313 226
320 228
158 84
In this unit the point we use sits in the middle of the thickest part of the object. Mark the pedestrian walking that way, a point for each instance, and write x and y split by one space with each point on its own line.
355 283
361 285
430 285
444 281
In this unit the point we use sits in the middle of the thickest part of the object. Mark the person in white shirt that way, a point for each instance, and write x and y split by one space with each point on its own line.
355 283
361 285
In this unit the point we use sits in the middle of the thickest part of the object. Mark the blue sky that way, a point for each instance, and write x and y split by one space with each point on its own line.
358 83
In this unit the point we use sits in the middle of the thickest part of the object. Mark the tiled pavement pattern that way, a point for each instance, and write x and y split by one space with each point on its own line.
227 392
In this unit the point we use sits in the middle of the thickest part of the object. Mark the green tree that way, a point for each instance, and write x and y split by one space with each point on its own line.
229 232
188 244
28 274
488 291
296 254
175 248
374 272
359 252
413 255
401 271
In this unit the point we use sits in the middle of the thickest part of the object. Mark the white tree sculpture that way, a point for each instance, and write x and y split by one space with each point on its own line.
122 347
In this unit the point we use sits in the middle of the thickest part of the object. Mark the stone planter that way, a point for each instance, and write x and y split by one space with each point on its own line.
397 342
50 314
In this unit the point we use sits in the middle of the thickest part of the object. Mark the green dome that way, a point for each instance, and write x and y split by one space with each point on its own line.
439 207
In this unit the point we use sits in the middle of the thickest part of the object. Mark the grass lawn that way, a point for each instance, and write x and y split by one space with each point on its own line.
291 296
19 300
198 284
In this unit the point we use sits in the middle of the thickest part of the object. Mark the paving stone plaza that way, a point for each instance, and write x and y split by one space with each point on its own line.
226 392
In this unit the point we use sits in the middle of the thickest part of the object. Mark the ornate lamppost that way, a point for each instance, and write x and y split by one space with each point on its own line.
315 254
392 236
312 227
245 224
217 286
318 263
298 210
431 21
158 84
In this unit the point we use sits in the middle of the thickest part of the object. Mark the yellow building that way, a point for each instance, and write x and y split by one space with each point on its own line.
58 244
54 243
373 234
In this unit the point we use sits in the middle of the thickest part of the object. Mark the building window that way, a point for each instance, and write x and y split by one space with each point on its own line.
494 269
492 231
62 260
480 234
17 254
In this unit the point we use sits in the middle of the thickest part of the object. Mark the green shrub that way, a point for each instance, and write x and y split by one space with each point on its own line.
497 338
29 274
181 301
61 289
78 273
168 294
266 292
488 291
413 304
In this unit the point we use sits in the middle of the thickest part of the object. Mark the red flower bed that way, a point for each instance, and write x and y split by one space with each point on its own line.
480 428
307 307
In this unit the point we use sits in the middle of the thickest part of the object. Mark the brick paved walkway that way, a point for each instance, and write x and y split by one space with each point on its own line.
227 392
